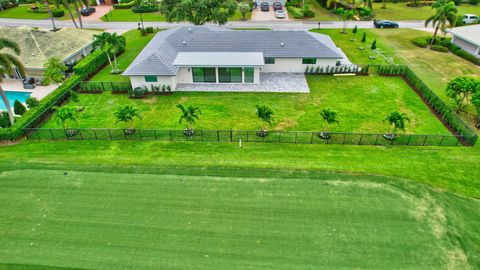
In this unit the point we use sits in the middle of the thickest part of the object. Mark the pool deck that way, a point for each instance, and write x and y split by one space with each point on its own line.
39 92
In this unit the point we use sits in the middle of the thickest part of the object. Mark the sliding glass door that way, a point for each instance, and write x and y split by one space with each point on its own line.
230 75
206 75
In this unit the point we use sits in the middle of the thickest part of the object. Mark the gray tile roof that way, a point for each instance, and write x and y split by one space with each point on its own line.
158 56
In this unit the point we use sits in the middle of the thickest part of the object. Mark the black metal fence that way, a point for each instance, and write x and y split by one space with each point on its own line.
243 135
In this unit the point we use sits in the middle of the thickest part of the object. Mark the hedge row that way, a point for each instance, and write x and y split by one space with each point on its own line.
127 5
444 45
449 117
86 67
144 9
438 48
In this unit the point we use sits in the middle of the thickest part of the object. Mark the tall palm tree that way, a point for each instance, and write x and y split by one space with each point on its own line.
117 43
189 114
54 71
329 117
445 17
127 113
102 41
77 10
8 63
66 5
45 2
332 2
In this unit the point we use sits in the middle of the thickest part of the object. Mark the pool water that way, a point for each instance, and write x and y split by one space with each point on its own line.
12 96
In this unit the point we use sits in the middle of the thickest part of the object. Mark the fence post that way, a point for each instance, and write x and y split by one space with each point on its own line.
95 133
155 134
51 134
103 87
111 84
296 134
140 134
279 136
247 135
424 141
441 141
361 137
376 139
81 135
344 138
218 136
171 138
231 136
311 139
110 134
38 136
201 131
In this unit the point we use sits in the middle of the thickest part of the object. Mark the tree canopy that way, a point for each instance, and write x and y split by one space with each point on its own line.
198 12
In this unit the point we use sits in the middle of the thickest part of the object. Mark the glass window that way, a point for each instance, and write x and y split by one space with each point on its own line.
269 60
207 75
230 75
249 74
309 61
150 78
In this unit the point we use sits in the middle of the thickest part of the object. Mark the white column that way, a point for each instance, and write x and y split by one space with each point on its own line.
216 75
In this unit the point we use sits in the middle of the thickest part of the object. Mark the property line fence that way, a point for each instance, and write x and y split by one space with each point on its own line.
243 135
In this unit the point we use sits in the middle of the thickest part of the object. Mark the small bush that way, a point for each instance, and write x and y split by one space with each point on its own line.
58 13
138 92
149 29
454 47
438 48
127 5
19 108
32 102
307 12
420 42
339 11
4 120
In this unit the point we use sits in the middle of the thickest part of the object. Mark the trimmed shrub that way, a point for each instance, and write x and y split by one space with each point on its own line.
32 102
420 42
91 63
19 108
467 56
58 13
438 48
144 9
4 120
127 5
149 29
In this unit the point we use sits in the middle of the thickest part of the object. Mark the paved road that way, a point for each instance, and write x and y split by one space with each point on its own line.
268 24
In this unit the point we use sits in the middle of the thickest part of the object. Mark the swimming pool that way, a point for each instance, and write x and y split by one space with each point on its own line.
12 96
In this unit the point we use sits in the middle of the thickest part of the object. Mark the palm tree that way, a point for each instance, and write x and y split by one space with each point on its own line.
397 120
8 63
127 114
65 114
54 71
45 2
329 117
265 114
347 16
66 5
332 2
189 114
445 17
77 10
102 41
117 44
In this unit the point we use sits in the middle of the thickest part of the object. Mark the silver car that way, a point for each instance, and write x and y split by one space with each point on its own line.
279 14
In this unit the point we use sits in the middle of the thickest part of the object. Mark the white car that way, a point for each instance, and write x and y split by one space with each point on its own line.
470 18
279 14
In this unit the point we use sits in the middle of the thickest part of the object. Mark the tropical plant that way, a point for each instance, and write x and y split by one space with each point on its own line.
8 63
65 115
189 114
54 71
66 6
460 89
476 105
4 121
243 8
397 120
50 14
127 114
198 12
117 44
19 108
444 17
77 11
332 2
265 114
32 102
111 44
329 117
347 16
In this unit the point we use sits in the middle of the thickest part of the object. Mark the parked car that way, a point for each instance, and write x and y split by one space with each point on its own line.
385 24
470 18
264 6
277 6
87 11
279 14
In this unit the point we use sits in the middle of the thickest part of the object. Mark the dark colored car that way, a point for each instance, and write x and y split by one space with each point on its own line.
277 6
87 11
264 6
385 24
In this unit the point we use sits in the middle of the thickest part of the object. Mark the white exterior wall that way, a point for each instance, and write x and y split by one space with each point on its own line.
467 46
139 81
295 65
184 75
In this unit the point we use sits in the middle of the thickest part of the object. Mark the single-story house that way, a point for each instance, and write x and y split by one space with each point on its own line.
199 55
467 38
37 46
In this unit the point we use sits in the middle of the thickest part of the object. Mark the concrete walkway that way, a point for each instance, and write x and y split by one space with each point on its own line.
269 83
17 86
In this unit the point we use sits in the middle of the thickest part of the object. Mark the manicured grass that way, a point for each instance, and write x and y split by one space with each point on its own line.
362 103
101 220
21 12
321 14
127 15
135 44
395 46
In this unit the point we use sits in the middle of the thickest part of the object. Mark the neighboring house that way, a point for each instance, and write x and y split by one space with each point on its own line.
37 46
467 38
270 2
199 55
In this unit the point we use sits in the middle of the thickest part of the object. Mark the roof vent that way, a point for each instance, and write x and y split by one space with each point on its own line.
184 42
282 44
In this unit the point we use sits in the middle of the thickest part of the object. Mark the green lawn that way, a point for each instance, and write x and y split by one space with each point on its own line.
395 46
135 44
127 15
254 219
362 103
21 12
